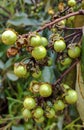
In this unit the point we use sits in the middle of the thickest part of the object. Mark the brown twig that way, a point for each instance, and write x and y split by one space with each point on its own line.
81 12
72 35
66 72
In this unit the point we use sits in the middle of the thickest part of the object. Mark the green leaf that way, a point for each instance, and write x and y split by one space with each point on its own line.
48 75
1 64
28 1
20 19
12 76
17 128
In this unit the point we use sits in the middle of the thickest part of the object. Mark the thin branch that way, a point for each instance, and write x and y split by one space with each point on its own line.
72 35
81 12
67 28
66 72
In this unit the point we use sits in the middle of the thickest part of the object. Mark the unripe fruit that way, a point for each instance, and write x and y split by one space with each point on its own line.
59 105
35 41
38 113
20 70
26 114
59 46
74 52
39 52
71 96
36 74
34 87
66 61
44 41
45 90
50 61
40 120
50 113
66 86
9 37
71 3
29 103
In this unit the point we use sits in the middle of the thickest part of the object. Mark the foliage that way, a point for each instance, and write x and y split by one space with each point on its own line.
24 17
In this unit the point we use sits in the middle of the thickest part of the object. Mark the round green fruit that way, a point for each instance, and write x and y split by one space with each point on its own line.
50 61
9 37
71 3
20 70
71 97
39 52
26 114
50 113
29 103
35 41
44 41
38 113
40 120
66 86
66 61
74 52
37 74
59 105
45 90
59 46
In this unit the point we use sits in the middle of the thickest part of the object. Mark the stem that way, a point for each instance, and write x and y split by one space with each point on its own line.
67 28
71 123
66 72
81 12
11 118
72 35
15 100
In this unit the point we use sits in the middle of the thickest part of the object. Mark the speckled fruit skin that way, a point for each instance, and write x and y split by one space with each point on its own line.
51 113
35 41
37 74
59 46
38 112
20 70
71 97
39 52
29 103
74 52
59 105
45 90
9 37
71 3
26 114
44 41
66 61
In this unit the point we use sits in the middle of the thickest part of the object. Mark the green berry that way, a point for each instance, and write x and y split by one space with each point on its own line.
26 114
20 70
71 3
38 112
45 90
50 113
59 46
59 105
44 41
39 52
35 41
71 97
29 103
9 37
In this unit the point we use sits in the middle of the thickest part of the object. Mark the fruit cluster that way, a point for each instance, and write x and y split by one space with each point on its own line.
37 46
42 105
45 102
